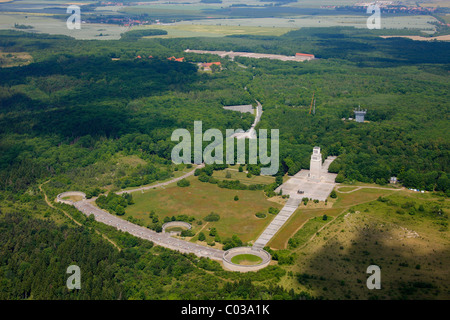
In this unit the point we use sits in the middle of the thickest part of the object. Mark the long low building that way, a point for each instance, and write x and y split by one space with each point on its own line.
232 55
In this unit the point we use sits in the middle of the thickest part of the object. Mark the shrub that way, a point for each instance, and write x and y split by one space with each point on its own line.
333 194
260 215
183 183
187 233
232 243
212 217
339 178
236 198
213 232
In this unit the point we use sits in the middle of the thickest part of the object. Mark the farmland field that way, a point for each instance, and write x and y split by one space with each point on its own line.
295 22
199 30
43 23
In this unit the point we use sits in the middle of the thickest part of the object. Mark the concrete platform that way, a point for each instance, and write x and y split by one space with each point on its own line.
314 189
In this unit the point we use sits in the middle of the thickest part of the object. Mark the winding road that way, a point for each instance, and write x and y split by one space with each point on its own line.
87 207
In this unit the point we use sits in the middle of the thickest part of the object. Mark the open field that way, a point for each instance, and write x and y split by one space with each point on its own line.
435 3
419 38
200 199
199 30
296 223
73 198
45 23
404 234
360 196
333 209
296 22
14 59
175 229
242 177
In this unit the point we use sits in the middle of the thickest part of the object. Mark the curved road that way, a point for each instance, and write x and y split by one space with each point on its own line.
162 239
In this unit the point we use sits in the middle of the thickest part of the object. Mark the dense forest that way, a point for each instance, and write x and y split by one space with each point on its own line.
98 115
79 103
35 254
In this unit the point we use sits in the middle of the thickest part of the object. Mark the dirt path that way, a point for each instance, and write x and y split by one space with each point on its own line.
361 187
52 206
71 218
162 184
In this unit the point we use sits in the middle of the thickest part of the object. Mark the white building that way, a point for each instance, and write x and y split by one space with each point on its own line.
315 167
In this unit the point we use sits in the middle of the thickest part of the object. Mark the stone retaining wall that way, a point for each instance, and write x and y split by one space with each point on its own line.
229 254
60 196
176 224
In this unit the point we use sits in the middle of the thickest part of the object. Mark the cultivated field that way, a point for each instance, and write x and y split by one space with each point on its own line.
296 22
199 30
45 23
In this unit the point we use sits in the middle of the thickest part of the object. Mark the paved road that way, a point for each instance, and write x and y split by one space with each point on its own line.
251 133
161 239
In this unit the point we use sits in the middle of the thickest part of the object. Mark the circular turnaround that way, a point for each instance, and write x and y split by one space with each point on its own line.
75 195
176 224
256 259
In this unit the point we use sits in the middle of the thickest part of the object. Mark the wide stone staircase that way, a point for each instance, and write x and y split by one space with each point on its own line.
276 224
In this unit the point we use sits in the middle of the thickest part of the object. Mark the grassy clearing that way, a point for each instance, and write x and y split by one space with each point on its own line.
360 196
198 30
306 232
132 161
73 198
14 59
246 259
242 177
175 229
420 22
435 3
199 200
298 220
51 24
346 189
333 209
406 235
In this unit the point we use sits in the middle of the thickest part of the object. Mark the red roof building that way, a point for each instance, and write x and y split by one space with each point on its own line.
304 55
